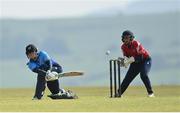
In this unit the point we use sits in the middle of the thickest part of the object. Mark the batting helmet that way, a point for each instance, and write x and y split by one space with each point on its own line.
127 33
30 48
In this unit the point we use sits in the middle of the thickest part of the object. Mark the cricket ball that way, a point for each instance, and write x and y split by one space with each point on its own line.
108 52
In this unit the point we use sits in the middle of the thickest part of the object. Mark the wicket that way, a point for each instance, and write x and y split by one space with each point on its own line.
115 65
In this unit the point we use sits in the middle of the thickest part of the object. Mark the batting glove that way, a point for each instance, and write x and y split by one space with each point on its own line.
50 76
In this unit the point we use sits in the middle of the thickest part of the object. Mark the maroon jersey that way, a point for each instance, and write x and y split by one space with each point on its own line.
134 49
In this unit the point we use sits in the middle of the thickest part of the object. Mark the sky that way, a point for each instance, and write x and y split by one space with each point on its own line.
55 8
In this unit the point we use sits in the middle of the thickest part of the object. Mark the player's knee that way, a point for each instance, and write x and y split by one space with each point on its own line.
144 76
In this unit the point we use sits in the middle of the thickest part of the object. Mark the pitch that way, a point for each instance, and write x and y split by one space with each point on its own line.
93 99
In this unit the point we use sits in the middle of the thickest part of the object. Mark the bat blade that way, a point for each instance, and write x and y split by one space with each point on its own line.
71 74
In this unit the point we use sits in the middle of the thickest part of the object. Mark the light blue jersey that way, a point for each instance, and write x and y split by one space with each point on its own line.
41 60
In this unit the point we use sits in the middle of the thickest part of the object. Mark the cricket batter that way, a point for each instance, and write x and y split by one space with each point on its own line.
139 59
46 68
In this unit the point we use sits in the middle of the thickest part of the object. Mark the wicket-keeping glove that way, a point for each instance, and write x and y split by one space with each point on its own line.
128 61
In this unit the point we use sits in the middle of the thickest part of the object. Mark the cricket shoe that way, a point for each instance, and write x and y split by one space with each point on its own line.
151 95
71 94
62 91
118 94
35 98
67 95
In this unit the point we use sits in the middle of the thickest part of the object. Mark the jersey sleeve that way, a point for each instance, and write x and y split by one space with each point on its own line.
32 66
138 47
47 60
45 56
123 51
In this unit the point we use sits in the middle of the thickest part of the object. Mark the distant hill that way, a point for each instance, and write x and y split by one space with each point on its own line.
80 44
140 7
152 6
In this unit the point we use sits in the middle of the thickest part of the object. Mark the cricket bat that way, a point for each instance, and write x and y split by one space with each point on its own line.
70 74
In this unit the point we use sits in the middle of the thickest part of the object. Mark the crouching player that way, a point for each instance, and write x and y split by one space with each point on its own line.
46 69
139 60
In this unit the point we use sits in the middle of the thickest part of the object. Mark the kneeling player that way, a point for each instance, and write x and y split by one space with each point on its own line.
46 68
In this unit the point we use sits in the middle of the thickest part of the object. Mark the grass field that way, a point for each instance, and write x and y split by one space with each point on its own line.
94 99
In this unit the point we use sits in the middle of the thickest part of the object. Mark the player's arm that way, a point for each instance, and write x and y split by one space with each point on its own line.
127 60
43 68
47 61
138 47
123 51
48 64
36 69
39 71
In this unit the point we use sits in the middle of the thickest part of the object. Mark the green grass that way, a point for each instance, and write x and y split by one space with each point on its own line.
94 99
